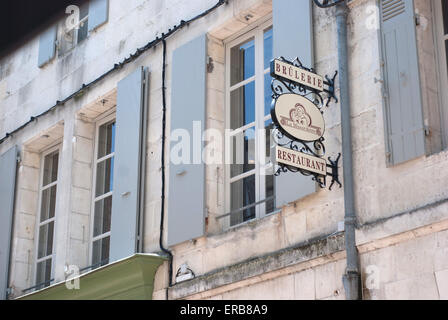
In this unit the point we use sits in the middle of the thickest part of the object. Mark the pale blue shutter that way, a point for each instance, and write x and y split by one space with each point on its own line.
293 37
47 46
127 165
98 13
8 163
186 206
403 103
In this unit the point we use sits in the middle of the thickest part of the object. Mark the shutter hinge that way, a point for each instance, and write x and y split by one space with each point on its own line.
427 128
417 19
210 65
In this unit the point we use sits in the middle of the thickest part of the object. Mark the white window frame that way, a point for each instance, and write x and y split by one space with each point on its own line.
256 32
102 119
41 189
442 73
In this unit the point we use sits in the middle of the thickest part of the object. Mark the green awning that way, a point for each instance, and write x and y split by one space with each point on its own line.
131 278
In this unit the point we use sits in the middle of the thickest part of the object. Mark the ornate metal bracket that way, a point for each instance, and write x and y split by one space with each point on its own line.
281 86
321 180
334 174
327 3
330 90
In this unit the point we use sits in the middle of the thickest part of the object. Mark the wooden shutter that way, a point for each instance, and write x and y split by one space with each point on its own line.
186 206
98 13
293 37
8 163
405 135
47 46
127 164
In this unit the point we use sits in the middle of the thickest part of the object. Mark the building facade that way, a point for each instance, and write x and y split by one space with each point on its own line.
136 140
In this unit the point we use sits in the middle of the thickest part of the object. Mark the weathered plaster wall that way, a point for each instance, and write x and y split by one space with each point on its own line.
389 201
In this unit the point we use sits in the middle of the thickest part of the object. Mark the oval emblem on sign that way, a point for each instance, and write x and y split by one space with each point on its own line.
298 118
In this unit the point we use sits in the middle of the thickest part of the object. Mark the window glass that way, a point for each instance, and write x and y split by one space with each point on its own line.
43 273
50 168
242 104
243 152
242 62
100 251
83 15
46 233
103 212
267 94
104 176
106 140
270 204
242 195
268 47
48 203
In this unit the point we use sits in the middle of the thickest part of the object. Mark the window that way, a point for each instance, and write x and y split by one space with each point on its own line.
46 225
102 191
73 36
250 189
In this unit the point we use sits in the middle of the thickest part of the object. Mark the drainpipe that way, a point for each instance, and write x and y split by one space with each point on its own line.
351 279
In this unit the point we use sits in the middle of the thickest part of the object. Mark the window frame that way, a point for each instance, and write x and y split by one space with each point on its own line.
99 121
256 32
75 32
56 147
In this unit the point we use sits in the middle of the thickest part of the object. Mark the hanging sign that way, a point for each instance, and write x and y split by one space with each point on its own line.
299 118
299 122
296 74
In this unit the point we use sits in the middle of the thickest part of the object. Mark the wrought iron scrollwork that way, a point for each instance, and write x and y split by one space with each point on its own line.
281 86
316 148
300 146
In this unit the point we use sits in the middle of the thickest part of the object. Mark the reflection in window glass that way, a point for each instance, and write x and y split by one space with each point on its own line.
269 127
243 152
242 62
48 203
268 47
104 176
43 274
102 217
46 233
100 252
106 139
50 168
267 94
83 31
242 105
270 205
242 194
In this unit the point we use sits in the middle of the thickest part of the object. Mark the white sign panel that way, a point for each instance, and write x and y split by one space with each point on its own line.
299 117
298 75
301 160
